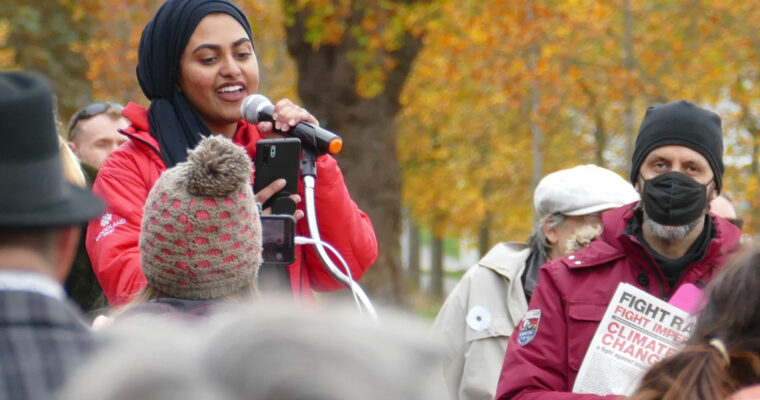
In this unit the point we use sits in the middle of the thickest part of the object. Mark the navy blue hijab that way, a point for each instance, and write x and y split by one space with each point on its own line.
173 121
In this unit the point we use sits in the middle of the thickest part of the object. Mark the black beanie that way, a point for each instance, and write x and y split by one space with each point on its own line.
681 123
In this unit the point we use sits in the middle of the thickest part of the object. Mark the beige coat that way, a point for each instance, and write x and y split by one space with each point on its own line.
477 319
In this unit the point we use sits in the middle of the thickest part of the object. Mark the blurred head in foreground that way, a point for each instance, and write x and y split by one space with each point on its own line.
269 351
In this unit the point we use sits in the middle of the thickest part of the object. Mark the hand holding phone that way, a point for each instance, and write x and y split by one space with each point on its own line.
264 194
277 159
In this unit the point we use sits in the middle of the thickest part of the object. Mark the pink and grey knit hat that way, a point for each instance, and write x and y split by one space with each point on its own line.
201 233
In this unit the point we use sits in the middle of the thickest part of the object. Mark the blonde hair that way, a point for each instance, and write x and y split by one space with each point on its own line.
113 110
72 170
247 293
71 166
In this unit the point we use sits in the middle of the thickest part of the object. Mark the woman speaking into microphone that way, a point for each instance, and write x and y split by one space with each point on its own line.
196 64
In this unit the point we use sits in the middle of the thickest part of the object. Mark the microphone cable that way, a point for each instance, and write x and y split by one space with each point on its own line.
360 297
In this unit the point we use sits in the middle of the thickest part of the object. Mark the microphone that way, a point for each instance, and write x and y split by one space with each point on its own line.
257 108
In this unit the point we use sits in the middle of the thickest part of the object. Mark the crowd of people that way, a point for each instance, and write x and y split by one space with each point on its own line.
131 246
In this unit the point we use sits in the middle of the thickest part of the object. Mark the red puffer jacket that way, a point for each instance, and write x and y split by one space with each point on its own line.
129 173
572 295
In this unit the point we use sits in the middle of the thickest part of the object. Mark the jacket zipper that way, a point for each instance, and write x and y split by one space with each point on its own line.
654 269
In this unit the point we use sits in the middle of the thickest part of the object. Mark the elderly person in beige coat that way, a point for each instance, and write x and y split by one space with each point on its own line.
481 312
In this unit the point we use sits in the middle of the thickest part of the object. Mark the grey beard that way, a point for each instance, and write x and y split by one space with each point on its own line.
670 232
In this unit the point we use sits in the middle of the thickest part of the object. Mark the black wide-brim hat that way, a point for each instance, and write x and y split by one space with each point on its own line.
33 190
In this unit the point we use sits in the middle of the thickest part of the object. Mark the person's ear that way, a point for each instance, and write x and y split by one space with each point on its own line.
73 147
66 247
179 82
714 193
551 233
638 184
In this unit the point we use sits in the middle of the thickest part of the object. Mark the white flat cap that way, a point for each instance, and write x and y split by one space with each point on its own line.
582 190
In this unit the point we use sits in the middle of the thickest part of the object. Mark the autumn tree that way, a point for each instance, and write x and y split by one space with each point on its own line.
477 128
7 54
476 100
40 36
564 81
353 58
739 51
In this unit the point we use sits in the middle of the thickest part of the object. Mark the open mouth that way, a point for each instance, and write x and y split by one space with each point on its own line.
231 93
230 89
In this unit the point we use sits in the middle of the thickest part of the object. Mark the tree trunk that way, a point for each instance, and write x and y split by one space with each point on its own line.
754 131
326 84
628 118
484 237
414 255
600 133
436 269
537 135
600 136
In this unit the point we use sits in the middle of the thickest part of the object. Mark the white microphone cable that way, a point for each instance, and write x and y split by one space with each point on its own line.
360 297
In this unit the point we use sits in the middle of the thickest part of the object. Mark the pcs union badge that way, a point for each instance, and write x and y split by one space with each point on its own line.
528 327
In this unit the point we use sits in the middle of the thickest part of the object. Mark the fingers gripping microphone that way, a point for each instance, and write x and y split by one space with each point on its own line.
257 108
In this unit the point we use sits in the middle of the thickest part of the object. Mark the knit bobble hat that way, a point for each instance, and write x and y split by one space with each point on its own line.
201 232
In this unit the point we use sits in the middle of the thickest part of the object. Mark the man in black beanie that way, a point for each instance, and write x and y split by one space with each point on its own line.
677 168
663 241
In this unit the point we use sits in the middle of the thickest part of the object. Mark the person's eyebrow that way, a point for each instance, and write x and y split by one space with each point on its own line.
216 47
656 157
694 163
241 41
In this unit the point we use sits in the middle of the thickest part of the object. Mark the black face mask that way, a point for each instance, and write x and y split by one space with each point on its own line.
674 199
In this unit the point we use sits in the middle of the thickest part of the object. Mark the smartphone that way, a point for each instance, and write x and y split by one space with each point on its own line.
278 239
275 159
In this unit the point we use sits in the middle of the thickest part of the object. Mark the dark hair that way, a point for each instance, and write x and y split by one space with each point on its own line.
732 316
38 239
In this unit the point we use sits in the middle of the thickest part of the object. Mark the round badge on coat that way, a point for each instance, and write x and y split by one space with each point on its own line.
478 319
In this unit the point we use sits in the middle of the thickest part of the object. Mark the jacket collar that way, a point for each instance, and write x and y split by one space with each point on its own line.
727 238
609 248
506 259
616 244
247 134
33 282
140 128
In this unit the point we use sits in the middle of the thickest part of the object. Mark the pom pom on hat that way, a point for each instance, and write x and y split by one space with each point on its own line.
217 168
201 232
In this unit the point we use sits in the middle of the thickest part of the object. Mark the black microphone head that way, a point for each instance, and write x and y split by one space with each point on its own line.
252 106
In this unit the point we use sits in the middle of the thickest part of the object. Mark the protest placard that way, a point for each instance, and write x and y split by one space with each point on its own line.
637 331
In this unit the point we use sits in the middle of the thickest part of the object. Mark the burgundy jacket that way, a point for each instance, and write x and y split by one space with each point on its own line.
129 173
573 294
